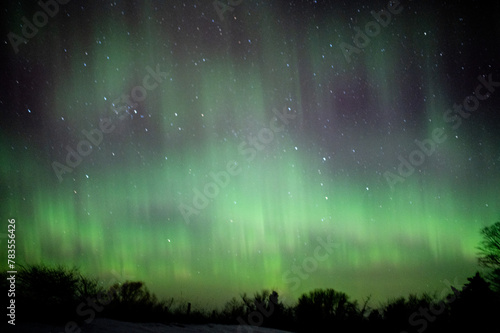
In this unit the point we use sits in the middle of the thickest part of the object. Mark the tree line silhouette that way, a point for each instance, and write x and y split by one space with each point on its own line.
59 295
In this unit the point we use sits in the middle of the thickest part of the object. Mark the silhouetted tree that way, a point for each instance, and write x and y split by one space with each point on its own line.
88 287
266 308
410 314
133 301
47 294
233 309
325 309
489 253
476 305
375 320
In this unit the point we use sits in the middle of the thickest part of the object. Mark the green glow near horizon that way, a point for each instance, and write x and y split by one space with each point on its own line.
255 241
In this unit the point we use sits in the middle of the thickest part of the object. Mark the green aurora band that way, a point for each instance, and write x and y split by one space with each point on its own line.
117 215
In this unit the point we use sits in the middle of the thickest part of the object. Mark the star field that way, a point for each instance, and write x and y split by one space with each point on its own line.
204 149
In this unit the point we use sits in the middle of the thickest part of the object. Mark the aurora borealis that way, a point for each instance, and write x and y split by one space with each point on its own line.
230 149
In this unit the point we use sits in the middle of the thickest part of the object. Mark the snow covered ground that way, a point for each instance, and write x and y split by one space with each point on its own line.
102 325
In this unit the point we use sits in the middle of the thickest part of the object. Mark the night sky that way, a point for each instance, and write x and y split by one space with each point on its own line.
268 144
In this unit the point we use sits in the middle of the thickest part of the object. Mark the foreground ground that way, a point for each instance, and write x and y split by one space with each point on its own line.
102 325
